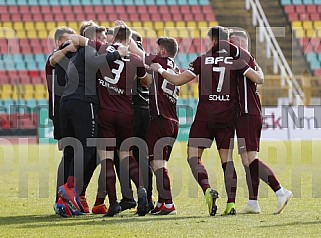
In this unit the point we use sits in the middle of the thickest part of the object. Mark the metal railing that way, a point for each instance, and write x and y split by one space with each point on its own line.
280 64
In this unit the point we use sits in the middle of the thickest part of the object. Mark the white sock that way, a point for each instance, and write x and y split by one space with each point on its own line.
168 205
280 192
159 204
253 203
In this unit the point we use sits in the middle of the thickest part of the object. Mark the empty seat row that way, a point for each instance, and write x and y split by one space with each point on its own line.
301 33
300 2
28 91
17 121
182 32
302 8
9 27
310 45
104 9
306 24
107 17
101 2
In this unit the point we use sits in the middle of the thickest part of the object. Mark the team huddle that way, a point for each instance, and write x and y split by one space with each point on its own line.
114 104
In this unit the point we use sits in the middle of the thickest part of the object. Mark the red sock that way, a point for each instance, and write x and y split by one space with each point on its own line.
230 180
199 172
163 185
253 181
71 182
267 175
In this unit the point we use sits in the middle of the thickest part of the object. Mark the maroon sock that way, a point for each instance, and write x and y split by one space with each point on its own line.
267 175
131 165
71 182
252 196
230 180
163 185
253 181
106 183
199 172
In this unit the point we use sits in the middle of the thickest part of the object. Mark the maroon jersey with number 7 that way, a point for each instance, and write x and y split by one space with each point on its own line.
218 77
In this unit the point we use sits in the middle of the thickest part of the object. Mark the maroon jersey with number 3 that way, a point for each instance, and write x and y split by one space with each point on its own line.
163 94
115 85
217 87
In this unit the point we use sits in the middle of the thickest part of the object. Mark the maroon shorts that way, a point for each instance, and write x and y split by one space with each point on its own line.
248 132
116 125
161 136
203 133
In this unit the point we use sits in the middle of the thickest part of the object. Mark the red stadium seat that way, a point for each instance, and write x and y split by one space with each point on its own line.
315 16
300 9
304 16
131 9
132 17
78 9
109 9
24 9
311 8
26 17
37 17
98 10
142 9
35 9
185 9
289 9
5 17
3 9
293 17
13 9
46 9
155 17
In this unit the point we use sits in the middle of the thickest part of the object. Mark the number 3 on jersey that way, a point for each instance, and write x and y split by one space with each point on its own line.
117 72
221 71
169 88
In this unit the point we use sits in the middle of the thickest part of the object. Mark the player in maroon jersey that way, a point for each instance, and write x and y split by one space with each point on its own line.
115 119
215 114
164 122
248 131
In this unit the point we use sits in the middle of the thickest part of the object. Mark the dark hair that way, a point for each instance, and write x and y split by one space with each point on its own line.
136 36
84 25
238 33
62 30
109 31
91 31
218 33
169 44
122 33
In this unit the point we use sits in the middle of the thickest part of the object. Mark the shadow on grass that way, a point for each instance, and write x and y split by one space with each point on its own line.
296 223
39 221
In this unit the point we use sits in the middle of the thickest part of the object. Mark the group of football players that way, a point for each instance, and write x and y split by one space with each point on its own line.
114 104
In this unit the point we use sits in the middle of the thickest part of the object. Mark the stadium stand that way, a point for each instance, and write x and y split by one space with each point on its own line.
27 25
305 18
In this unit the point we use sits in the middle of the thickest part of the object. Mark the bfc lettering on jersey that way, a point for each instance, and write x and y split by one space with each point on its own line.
216 60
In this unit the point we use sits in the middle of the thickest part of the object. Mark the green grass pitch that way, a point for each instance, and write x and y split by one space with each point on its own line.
27 183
